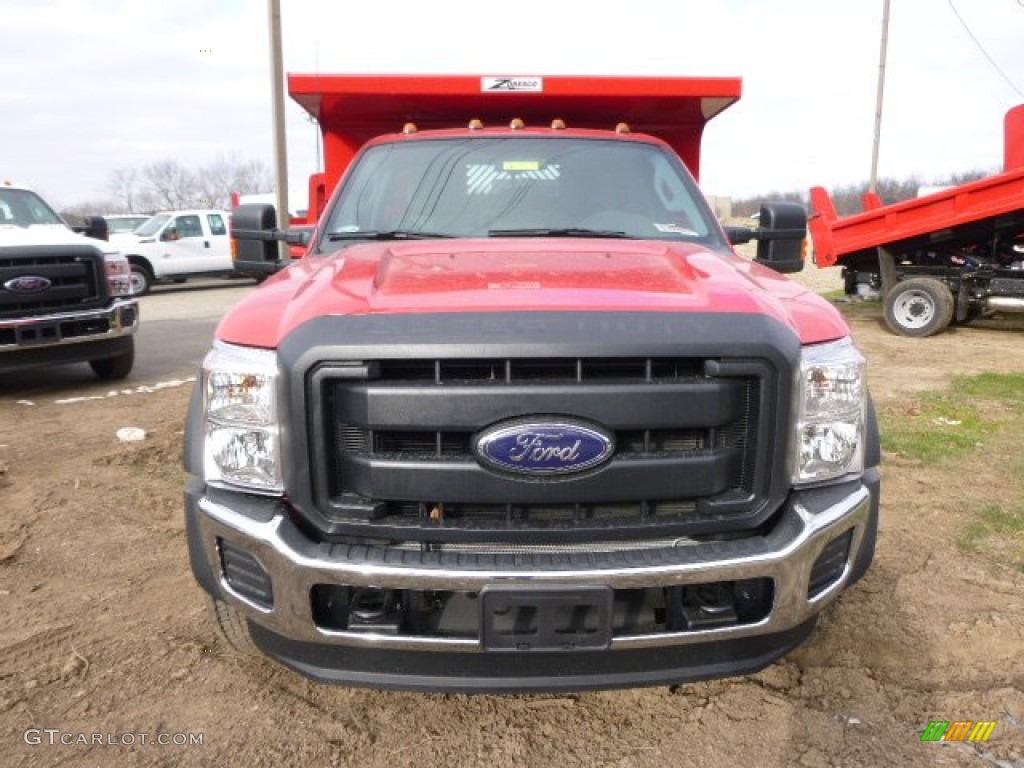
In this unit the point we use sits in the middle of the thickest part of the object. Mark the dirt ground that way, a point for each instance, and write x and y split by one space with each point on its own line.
102 630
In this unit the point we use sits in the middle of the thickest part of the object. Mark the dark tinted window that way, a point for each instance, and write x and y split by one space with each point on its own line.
216 222
189 226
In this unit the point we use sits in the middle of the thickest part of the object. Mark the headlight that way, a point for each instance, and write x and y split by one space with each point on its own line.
119 274
242 445
830 405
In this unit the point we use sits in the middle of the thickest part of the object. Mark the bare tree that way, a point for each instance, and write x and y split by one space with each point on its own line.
746 207
123 188
956 179
227 174
168 185
849 199
173 186
214 181
252 176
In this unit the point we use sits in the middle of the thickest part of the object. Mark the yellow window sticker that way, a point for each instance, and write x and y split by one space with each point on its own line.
520 165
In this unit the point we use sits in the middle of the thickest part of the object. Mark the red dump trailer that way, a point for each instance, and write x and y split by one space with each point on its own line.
945 258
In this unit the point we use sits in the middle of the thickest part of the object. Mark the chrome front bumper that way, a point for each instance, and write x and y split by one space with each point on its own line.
294 564
121 318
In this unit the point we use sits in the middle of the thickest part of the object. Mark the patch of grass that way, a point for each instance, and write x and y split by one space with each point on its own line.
934 430
993 386
998 531
976 421
944 425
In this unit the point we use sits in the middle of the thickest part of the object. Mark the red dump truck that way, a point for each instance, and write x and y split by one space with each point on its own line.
520 419
941 259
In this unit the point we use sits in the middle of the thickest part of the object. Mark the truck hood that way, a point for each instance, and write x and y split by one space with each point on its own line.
47 234
523 275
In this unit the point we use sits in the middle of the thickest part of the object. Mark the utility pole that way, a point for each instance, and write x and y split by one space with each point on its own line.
873 183
277 101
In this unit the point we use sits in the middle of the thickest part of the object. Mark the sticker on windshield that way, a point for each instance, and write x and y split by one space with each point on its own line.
483 179
520 165
676 229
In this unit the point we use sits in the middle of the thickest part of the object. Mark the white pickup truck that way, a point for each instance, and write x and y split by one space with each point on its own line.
64 298
177 245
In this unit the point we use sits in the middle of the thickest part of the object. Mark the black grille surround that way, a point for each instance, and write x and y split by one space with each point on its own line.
385 452
75 272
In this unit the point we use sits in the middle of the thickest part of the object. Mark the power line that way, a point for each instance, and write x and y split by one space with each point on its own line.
981 48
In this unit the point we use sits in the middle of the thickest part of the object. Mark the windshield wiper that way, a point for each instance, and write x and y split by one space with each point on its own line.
558 232
388 234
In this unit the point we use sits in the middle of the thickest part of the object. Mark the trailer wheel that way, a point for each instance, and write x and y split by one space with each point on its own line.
919 307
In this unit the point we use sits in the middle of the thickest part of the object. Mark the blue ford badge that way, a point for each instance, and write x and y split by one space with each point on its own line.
555 447
28 284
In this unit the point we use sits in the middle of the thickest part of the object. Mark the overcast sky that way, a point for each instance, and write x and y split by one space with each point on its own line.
89 87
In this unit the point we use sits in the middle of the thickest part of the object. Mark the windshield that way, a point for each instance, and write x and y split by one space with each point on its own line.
152 226
119 224
518 187
21 208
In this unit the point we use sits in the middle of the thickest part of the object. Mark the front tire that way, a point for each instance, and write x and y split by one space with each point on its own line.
919 307
114 368
232 627
142 280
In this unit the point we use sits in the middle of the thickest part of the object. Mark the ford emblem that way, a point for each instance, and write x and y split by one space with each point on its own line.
28 284
550 447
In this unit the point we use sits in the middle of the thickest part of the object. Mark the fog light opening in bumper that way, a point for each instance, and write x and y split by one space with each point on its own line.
245 575
128 316
830 565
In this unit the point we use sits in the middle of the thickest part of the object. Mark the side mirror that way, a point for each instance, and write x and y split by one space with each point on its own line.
254 239
738 235
93 226
299 236
781 236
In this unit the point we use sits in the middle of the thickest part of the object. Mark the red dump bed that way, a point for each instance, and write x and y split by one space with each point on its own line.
880 225
351 109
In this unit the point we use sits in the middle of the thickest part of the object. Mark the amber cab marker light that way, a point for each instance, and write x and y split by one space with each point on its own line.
517 124
622 128
476 124
558 124
409 128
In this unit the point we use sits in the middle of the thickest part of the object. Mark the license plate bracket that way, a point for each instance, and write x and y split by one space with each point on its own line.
548 618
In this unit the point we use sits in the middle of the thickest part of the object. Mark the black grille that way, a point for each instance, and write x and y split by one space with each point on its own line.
399 459
74 274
